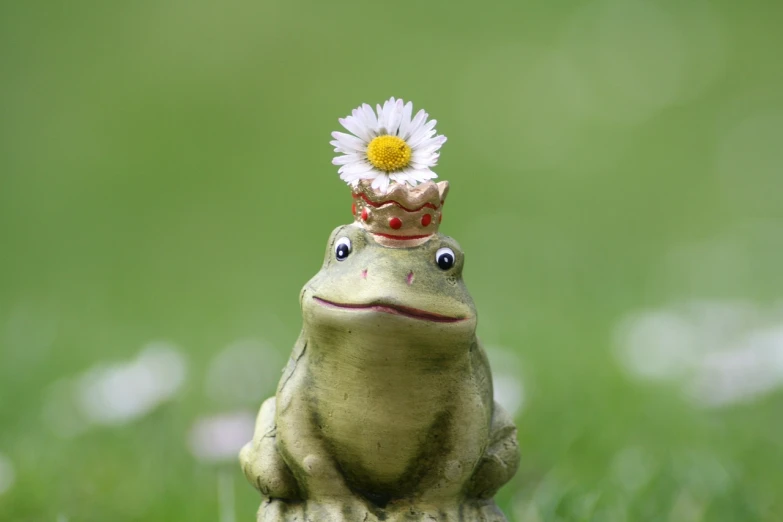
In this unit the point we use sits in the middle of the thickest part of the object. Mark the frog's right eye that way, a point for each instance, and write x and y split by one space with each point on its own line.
342 248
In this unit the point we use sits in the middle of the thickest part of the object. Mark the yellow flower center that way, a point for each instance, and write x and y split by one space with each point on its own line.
389 153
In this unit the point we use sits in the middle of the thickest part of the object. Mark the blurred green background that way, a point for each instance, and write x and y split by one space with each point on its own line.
617 185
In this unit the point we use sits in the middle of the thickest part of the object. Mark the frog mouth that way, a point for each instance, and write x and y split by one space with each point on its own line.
394 309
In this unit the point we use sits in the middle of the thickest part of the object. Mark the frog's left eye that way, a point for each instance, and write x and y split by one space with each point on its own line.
444 257
342 248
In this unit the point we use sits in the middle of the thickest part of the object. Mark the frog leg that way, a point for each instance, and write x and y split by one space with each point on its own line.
261 461
500 460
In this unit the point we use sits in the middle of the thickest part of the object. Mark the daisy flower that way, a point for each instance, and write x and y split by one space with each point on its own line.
390 146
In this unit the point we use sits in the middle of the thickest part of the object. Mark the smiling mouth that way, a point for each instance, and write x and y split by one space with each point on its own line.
404 311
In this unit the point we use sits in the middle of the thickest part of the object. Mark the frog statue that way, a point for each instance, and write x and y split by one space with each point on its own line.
385 411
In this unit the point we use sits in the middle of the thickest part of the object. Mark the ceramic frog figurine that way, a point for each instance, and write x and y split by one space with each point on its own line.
385 411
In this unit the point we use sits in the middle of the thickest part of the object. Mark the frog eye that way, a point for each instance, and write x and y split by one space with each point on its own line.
342 248
445 258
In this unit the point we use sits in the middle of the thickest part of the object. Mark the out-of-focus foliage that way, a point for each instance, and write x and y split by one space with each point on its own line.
166 190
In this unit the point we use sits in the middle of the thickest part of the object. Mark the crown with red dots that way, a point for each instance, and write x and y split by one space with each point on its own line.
404 215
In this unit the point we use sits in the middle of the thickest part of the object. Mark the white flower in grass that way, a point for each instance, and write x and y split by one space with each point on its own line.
387 147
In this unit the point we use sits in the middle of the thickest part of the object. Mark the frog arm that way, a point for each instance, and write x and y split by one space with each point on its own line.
500 459
299 349
260 459
299 439
483 376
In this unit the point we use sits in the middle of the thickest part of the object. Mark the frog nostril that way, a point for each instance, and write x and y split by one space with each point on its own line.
410 277
364 274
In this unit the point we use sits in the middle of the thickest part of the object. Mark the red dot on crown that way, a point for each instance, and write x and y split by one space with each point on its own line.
395 223
365 215
426 219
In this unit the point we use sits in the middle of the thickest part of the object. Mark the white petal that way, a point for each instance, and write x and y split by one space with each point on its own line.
424 139
411 176
367 118
424 128
348 158
416 143
395 118
422 134
399 177
384 116
354 126
405 175
358 115
372 120
424 153
343 150
347 141
381 119
419 174
405 119
431 144
415 177
385 183
381 182
422 175
420 154
418 120
350 178
388 105
355 168
420 165
423 156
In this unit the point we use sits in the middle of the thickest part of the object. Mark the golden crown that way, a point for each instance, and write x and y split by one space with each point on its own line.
403 216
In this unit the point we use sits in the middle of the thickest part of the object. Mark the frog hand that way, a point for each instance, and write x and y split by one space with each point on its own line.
500 460
261 460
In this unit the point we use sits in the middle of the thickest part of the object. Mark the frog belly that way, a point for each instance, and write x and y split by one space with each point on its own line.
387 405
379 430
381 446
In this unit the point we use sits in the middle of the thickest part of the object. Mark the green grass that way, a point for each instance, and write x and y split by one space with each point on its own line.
165 175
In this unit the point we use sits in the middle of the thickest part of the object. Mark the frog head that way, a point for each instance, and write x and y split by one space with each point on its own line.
366 287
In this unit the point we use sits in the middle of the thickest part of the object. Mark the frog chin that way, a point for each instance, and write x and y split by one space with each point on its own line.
380 306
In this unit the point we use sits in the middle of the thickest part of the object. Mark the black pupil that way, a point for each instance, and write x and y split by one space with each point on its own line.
342 251
445 261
